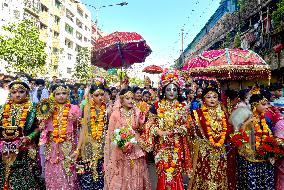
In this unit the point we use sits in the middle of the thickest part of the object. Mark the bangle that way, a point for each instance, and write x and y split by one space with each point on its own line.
32 135
76 151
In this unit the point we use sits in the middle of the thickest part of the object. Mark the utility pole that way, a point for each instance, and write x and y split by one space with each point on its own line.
182 54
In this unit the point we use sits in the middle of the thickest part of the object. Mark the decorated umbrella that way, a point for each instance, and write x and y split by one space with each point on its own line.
153 69
119 49
228 64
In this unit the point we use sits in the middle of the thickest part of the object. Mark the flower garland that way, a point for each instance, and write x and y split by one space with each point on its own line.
97 124
260 134
7 114
209 126
169 114
60 128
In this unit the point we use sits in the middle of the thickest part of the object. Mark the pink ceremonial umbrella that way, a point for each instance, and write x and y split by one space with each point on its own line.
228 64
119 49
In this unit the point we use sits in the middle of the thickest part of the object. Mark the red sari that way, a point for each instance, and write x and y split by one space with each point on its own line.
210 163
171 152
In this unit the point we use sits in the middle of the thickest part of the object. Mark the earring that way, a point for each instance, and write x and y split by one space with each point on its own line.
254 109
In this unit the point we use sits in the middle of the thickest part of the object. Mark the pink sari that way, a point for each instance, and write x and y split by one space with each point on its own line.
124 171
279 133
59 171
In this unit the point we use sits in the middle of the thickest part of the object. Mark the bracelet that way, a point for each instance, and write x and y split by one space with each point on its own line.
77 151
32 135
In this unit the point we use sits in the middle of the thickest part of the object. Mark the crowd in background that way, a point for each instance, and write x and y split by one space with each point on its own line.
185 128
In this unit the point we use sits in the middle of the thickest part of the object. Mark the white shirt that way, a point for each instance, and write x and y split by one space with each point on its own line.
3 96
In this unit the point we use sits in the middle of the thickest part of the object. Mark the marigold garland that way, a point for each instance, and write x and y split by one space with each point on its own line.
60 128
7 114
209 122
260 134
97 124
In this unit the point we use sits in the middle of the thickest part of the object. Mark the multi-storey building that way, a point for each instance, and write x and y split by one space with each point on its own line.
254 25
64 25
96 33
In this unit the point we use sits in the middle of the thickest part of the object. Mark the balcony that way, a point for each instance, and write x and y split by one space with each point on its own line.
57 11
46 2
55 27
54 60
43 35
43 16
55 43
32 7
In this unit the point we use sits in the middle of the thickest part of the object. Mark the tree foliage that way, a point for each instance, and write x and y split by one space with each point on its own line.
22 49
227 41
83 69
242 5
278 14
237 41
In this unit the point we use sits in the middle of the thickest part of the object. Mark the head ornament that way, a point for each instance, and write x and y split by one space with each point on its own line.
171 76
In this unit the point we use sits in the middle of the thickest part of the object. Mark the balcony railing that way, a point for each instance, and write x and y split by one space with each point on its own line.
43 35
43 16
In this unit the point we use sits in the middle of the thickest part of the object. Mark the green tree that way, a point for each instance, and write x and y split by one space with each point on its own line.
83 69
22 49
242 5
278 14
237 40
227 41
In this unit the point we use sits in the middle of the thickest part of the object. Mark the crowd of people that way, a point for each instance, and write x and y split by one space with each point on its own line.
94 137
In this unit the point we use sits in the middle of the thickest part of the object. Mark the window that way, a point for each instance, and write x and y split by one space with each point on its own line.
69 70
42 26
56 19
55 34
55 50
68 28
69 43
85 39
43 8
77 48
79 11
79 23
79 36
86 16
16 14
69 56
69 15
58 4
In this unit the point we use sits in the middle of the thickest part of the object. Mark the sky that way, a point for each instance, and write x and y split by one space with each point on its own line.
160 23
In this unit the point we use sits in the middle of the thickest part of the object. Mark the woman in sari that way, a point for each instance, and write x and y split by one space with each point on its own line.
166 134
19 168
125 167
59 134
254 171
92 137
210 156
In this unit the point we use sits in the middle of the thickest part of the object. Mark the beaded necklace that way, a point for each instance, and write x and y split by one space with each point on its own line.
20 117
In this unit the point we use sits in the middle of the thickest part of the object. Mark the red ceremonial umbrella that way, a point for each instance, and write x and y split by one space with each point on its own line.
232 64
153 69
119 49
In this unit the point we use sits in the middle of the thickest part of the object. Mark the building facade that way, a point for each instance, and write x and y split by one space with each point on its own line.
251 22
64 26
